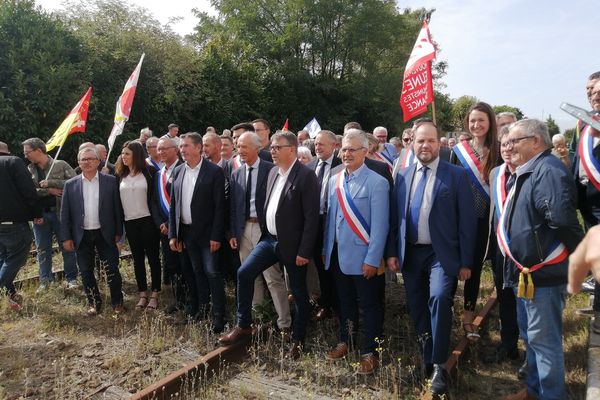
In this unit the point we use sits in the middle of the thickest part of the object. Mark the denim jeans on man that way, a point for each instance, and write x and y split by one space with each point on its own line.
43 242
545 359
15 243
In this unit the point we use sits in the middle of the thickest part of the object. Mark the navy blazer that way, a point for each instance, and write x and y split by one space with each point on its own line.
109 209
297 217
237 197
452 223
207 207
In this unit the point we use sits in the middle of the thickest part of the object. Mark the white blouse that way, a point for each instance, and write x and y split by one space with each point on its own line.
134 197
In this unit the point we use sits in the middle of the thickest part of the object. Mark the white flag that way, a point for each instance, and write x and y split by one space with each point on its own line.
313 128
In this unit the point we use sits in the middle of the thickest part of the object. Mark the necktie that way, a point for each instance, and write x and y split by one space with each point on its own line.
510 182
248 191
415 207
321 174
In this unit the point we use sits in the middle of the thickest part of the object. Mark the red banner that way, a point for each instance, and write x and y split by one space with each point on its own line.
417 87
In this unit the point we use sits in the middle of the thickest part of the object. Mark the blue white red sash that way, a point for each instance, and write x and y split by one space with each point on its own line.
586 155
163 195
237 162
558 250
409 159
499 190
469 160
386 159
355 220
152 163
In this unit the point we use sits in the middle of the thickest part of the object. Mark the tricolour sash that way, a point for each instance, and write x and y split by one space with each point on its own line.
163 195
589 162
237 162
469 160
353 217
386 159
557 254
409 159
499 190
152 163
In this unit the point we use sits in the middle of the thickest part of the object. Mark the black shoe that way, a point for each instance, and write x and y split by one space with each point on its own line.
439 380
522 372
218 326
427 370
501 354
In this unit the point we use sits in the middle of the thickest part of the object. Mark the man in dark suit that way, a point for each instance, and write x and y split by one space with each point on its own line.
91 220
248 190
289 228
323 164
433 231
197 228
168 152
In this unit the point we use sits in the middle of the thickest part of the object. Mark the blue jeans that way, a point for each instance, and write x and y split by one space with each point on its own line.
109 260
203 277
542 317
15 243
262 257
43 242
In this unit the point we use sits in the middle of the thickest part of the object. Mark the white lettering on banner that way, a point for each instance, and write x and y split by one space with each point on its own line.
415 80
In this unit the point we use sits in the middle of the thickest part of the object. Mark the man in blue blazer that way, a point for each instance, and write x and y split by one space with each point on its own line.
197 228
354 242
91 220
247 196
433 232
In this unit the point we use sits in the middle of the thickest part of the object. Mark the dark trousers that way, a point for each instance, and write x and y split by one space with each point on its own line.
471 290
326 282
15 243
108 253
203 277
507 304
172 272
354 292
262 257
144 241
429 297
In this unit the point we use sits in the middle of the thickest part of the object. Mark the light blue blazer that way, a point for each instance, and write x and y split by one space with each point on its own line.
370 193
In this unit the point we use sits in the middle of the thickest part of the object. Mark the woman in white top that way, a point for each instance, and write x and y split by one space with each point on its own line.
135 189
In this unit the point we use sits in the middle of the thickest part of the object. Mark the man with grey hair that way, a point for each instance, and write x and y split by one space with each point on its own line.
105 166
386 150
505 118
92 221
540 209
289 228
153 159
559 148
145 134
49 177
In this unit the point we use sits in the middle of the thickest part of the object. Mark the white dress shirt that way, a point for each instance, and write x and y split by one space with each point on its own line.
134 197
187 192
253 188
91 202
423 234
324 186
274 199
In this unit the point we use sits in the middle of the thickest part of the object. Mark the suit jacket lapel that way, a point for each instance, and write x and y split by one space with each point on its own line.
262 173
201 174
408 180
100 191
440 176
270 183
360 181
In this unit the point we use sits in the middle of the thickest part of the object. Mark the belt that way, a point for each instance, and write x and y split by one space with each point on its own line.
417 245
254 220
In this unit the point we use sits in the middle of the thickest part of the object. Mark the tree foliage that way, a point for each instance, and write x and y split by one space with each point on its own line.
553 128
504 108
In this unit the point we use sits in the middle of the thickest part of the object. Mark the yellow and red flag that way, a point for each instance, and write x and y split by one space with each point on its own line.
75 122
285 126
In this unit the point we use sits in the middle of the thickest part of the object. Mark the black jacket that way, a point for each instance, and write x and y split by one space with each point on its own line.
542 213
19 201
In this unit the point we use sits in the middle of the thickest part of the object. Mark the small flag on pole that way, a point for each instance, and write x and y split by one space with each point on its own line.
285 126
313 128
74 122
124 104
417 87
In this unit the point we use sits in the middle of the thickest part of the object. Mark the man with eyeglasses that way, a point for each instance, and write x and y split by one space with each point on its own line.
91 221
289 227
153 160
537 230
168 154
263 130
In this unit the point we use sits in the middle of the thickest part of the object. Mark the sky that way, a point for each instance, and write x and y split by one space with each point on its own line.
529 54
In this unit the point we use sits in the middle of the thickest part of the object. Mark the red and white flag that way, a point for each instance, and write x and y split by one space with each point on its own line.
124 104
417 87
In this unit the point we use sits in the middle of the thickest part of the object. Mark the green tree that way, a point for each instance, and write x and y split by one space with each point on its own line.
517 111
553 129
459 111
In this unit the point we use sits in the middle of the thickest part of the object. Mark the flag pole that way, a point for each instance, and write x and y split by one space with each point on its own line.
54 160
433 110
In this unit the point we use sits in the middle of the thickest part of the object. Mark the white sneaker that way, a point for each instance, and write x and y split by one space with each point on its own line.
71 285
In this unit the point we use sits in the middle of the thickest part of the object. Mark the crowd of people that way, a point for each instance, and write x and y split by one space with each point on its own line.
321 223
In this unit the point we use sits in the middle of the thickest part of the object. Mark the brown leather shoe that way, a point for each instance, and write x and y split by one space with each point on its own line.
294 352
322 313
234 335
340 351
368 364
522 394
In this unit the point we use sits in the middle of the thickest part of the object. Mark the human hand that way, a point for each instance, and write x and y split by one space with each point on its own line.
68 245
464 273
233 243
369 271
301 261
586 257
393 264
214 246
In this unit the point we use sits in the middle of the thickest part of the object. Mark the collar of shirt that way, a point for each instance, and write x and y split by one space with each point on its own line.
95 178
170 168
527 166
432 165
286 173
255 165
195 169
329 161
355 174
